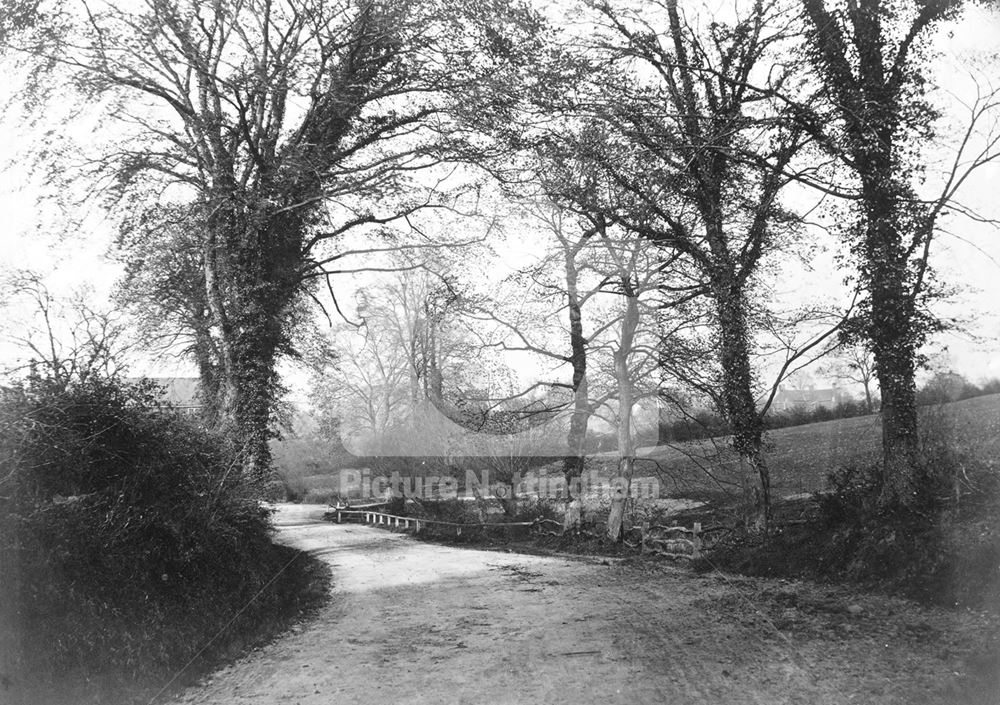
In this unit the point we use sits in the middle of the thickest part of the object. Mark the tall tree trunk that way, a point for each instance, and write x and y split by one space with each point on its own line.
739 404
573 463
869 405
891 327
250 288
623 379
869 63
895 360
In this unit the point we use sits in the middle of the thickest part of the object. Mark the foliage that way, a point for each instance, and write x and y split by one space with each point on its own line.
130 540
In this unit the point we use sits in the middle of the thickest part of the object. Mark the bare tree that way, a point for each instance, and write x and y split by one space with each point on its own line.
633 277
67 340
365 381
409 347
564 283
855 364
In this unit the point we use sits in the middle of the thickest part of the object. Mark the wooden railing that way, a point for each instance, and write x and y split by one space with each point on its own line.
417 524
675 541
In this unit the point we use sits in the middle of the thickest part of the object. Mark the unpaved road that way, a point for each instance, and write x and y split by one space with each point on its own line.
411 622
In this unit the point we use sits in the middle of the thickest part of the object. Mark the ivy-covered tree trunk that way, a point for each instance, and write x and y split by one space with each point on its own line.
738 401
890 328
280 127
251 287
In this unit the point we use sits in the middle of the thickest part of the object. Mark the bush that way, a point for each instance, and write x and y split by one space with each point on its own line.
942 547
128 536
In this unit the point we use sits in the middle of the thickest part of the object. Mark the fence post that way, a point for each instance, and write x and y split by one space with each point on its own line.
396 525
458 530
696 541
416 526
338 516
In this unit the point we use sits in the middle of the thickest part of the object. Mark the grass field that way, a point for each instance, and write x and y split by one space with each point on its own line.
801 457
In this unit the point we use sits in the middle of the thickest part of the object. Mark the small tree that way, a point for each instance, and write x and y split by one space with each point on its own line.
855 364
66 340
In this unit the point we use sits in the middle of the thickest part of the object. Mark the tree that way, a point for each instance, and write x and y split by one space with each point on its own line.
870 58
362 381
942 388
632 277
855 364
576 436
614 353
409 348
276 128
567 278
66 340
695 160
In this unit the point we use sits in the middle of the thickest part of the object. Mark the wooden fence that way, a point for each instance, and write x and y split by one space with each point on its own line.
674 541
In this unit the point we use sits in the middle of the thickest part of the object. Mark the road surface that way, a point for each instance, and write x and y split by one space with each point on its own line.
413 622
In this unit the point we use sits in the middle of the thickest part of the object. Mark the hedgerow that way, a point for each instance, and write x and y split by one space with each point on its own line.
130 544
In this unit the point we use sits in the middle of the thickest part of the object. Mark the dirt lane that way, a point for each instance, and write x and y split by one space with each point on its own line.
421 623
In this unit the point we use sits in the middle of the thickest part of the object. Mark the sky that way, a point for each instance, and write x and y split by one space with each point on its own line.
31 236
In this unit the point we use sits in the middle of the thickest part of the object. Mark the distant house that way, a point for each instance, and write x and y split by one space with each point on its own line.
180 393
807 399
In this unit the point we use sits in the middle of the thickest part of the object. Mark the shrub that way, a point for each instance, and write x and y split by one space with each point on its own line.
128 535
923 548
